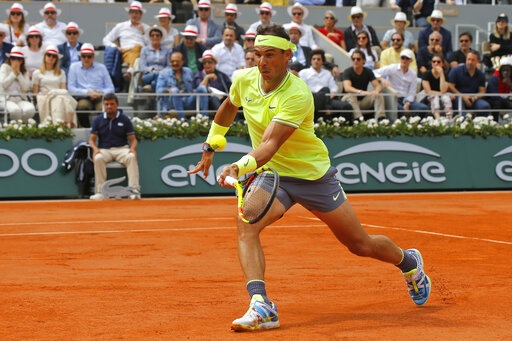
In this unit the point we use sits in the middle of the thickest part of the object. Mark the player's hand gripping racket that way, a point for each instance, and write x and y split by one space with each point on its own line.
255 194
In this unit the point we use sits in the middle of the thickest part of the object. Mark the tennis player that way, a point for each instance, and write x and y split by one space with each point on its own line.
278 108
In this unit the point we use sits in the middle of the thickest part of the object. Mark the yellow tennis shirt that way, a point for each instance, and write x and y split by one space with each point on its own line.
303 155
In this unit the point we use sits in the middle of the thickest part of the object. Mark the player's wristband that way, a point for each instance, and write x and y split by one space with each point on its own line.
216 129
246 165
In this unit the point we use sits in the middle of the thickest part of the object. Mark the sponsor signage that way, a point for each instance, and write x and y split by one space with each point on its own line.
32 168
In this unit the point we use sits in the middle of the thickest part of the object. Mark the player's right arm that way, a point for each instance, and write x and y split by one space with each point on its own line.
224 117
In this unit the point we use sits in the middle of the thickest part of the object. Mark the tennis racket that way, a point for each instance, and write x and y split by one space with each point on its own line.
255 193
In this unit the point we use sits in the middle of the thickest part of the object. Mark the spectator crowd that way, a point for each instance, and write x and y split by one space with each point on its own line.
47 70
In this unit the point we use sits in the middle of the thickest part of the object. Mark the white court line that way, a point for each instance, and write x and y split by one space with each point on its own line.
106 221
174 229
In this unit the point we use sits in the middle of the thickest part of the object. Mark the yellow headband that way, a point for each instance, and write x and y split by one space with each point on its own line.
273 41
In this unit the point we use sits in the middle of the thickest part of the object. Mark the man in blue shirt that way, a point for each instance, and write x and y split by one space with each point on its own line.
467 79
113 139
88 81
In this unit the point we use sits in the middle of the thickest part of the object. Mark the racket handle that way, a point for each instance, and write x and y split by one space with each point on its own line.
230 180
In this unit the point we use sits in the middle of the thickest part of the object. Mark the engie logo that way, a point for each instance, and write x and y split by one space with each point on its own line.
175 175
415 168
504 168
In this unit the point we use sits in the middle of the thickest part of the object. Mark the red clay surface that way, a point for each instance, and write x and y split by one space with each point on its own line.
167 269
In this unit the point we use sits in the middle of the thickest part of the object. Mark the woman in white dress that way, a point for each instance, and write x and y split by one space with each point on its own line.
49 85
14 87
34 50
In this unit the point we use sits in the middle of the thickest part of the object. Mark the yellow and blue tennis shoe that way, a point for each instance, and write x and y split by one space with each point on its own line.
417 281
260 315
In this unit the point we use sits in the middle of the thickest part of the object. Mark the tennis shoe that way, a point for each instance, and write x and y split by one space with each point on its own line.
260 315
417 281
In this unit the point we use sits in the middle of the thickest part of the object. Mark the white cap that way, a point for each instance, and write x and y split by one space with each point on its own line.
436 14
190 31
72 26
506 61
135 6
87 48
294 26
204 4
231 8
355 11
165 13
265 7
158 28
407 53
52 49
34 31
49 7
208 54
301 7
16 52
400 16
16 7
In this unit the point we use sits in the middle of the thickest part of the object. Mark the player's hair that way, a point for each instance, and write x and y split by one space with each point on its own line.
110 96
273 30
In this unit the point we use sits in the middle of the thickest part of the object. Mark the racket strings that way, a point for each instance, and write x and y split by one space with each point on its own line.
258 195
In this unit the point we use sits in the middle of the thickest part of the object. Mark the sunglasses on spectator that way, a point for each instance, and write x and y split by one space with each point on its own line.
357 58
86 56
156 35
264 13
208 62
436 62
435 39
16 13
359 16
72 33
51 55
203 9
435 20
297 13
464 40
396 39
404 57
33 36
329 18
190 38
50 12
361 38
16 58
250 39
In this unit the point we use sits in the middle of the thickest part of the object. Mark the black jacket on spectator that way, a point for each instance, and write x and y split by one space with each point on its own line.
199 53
65 61
351 37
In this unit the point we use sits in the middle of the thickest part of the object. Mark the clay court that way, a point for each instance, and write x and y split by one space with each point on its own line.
167 269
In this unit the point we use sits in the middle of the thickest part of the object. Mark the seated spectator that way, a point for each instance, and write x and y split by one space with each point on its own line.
391 55
298 13
229 54
4 47
153 58
404 80
209 32
400 23
467 79
321 83
70 50
500 40
172 35
210 80
501 83
355 84
15 86
248 39
265 13
130 37
230 15
436 21
351 33
50 27
34 50
113 139
330 31
421 10
249 58
435 85
302 55
459 56
88 81
49 85
426 52
190 49
17 25
178 79
372 60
